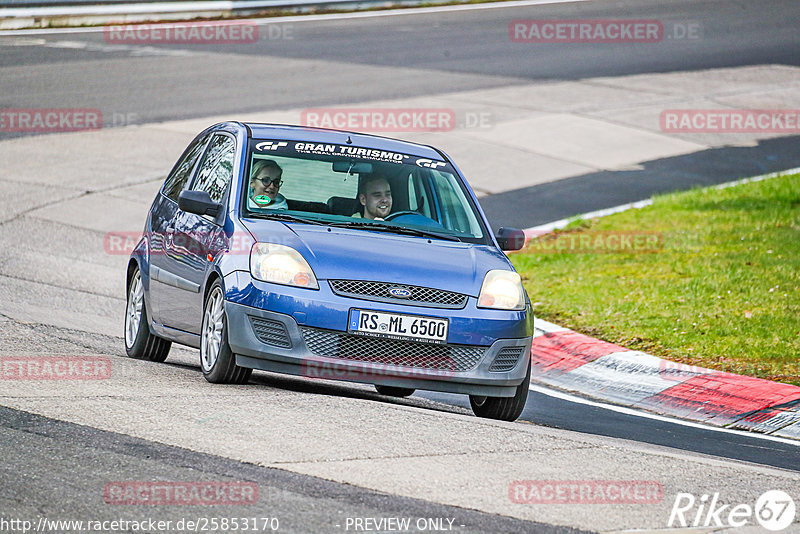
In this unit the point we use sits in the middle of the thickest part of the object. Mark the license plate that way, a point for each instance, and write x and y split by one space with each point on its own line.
398 326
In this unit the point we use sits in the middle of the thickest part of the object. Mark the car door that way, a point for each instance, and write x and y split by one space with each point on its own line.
193 240
160 226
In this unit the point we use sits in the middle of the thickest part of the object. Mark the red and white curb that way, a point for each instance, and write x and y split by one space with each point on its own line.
568 360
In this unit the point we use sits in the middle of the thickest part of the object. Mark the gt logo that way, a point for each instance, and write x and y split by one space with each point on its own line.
271 145
430 164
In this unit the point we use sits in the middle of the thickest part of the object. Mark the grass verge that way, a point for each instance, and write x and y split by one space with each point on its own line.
707 277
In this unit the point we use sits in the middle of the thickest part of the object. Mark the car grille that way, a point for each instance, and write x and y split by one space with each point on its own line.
271 332
379 291
506 359
391 351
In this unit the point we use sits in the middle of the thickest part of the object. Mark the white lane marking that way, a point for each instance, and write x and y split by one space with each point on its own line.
759 178
22 42
66 44
556 225
637 413
323 17
133 50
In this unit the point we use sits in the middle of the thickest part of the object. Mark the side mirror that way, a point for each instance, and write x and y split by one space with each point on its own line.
198 202
510 238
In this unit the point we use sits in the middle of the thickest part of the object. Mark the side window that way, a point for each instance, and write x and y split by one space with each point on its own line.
216 171
177 180
456 215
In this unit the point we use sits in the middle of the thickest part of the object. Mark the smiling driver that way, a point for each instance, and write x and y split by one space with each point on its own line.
376 197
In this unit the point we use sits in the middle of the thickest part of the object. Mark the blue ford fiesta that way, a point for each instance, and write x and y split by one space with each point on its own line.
332 255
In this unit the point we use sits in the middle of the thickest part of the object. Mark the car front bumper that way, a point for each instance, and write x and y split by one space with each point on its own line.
274 341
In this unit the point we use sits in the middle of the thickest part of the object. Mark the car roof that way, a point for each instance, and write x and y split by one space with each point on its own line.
322 135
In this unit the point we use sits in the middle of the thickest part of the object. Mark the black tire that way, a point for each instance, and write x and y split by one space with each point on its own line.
502 408
392 391
223 368
139 342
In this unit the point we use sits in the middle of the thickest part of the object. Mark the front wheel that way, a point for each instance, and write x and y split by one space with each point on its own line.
502 408
216 359
139 342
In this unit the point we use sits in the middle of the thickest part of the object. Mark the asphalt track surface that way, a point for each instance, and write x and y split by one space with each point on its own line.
336 62
365 60
65 464
543 409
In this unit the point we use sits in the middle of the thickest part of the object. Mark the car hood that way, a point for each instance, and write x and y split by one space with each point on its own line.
341 253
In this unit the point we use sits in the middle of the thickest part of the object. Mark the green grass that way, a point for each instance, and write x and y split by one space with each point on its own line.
722 290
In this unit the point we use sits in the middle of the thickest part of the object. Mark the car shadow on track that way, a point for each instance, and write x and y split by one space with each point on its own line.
331 388
347 390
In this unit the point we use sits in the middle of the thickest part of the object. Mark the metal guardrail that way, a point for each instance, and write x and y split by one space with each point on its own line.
27 14
48 3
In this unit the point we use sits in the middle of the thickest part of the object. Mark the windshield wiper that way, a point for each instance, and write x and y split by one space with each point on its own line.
377 227
285 217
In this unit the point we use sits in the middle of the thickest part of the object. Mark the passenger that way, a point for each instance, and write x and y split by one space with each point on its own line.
265 182
375 194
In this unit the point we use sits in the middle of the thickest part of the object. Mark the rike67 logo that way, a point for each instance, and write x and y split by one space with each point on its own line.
774 510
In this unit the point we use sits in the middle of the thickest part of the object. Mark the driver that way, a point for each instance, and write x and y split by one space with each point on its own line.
375 195
265 182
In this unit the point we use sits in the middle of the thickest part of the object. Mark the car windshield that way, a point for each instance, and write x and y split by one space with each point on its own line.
361 188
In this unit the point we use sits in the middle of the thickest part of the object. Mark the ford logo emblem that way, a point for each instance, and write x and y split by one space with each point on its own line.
400 292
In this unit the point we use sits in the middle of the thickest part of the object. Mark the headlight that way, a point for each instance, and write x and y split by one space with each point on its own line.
280 264
502 290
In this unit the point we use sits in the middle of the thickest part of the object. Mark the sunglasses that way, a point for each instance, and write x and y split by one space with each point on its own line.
274 181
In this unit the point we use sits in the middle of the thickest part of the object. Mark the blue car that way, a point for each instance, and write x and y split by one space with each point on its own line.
330 255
